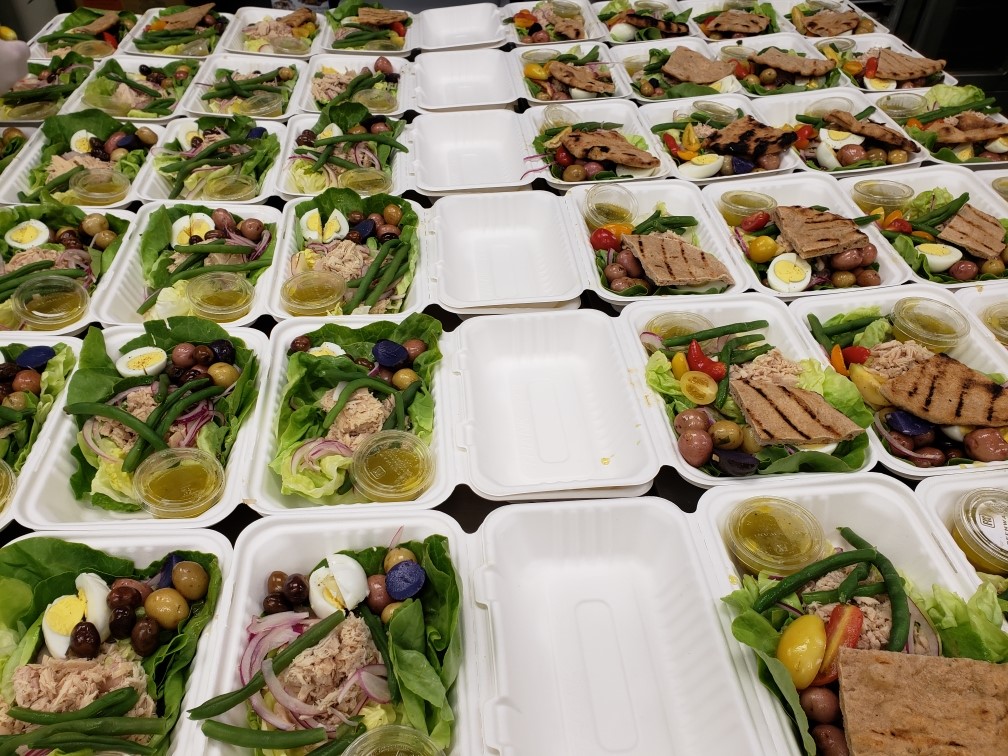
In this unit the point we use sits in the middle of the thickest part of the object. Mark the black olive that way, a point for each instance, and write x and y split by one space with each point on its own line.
534 28
193 374
195 239
364 363
195 142
214 234
8 370
144 636
223 350
392 78
220 26
85 640
354 217
274 603
95 142
354 236
100 154
300 344
295 589
144 70
275 581
209 20
122 621
124 595
305 141
175 374
204 355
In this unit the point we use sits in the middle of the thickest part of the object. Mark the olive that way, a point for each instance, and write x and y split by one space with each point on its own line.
380 128
354 217
850 154
924 439
286 73
68 236
846 260
142 588
876 154
414 348
99 154
103 239
768 76
214 234
305 139
820 704
377 598
392 214
358 129
928 456
403 378
203 355
750 443
383 65
691 419
766 162
696 447
864 26
868 277
355 236
621 284
646 88
300 344
85 640
223 374
182 355
964 270
574 172
843 279
223 220
121 622
365 363
112 143
897 157
16 401
986 445
94 223
274 603
993 267
220 26
182 72
167 606
612 271
195 142
251 229
144 636
954 452
726 434
396 555
95 143
190 579
4 391
869 253
295 589
378 219
540 37
751 80
384 374
124 596
11 133
223 349
8 370
389 611
630 263
28 380
387 231
275 581
118 154
830 740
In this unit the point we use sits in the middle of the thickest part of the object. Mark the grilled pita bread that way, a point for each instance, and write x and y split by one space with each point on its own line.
975 231
738 22
569 28
967 128
604 144
900 67
871 129
638 21
747 137
298 18
793 64
790 415
944 391
380 16
669 261
827 23
580 77
103 23
187 19
964 708
686 65
812 233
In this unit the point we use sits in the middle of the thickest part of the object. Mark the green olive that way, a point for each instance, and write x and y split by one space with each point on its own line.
167 607
575 172
993 267
17 400
726 434
392 214
897 157
403 378
646 88
94 223
223 374
286 73
768 76
396 555
103 239
750 444
118 154
877 154
843 279
190 579
146 136
751 80
389 610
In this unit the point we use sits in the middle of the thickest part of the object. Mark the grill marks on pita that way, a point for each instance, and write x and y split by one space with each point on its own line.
605 144
747 137
689 66
867 128
975 231
827 23
638 21
187 19
380 16
793 64
581 77
900 67
967 128
738 22
813 233
790 415
669 261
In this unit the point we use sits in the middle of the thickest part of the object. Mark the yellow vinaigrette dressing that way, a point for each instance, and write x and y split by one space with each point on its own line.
57 309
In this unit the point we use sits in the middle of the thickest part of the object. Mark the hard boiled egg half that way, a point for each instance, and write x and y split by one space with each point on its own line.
338 585
189 226
940 257
702 166
789 274
313 230
999 146
26 235
88 604
332 130
147 360
623 32
826 157
821 448
879 85
837 139
582 94
327 349
81 141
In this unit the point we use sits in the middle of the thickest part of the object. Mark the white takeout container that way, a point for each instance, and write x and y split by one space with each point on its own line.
233 39
104 288
463 79
978 350
196 106
665 112
151 185
405 91
574 426
975 299
130 64
707 6
865 42
875 507
37 453
956 179
144 547
783 8
48 503
778 111
620 80
410 43
807 190
519 689
129 48
593 28
628 55
785 41
37 50
127 289
460 26
16 173
679 199
613 111
671 6
782 332
989 177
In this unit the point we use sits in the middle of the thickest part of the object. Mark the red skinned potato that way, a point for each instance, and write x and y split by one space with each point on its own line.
986 445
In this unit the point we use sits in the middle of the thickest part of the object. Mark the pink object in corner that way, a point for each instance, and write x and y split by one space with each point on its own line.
13 63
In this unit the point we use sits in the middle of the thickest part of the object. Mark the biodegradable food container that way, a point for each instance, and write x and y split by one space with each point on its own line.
782 332
978 350
783 8
707 6
519 690
805 190
670 6
233 39
405 93
986 302
593 28
518 59
143 547
127 289
465 79
957 180
197 107
460 26
786 40
48 503
865 42
633 56
665 112
876 507
146 19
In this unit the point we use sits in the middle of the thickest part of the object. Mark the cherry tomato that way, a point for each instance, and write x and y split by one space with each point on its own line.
699 388
523 19
603 238
914 123
535 72
871 68
801 143
618 229
856 354
806 131
763 249
110 40
398 28
801 649
670 144
901 225
842 629
563 157
741 69
756 221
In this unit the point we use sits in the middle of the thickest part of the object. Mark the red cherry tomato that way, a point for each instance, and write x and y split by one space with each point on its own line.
901 225
801 143
741 69
603 238
563 157
398 28
806 131
110 40
842 629
871 68
756 221
856 354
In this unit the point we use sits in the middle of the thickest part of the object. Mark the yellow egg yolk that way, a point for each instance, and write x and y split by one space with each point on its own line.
65 612
144 361
25 235
787 271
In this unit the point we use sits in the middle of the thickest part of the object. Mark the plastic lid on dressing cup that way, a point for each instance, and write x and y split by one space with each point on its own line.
392 465
179 482
313 292
220 296
290 45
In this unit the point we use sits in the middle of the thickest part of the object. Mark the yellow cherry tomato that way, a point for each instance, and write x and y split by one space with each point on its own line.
763 249
853 67
700 389
690 141
686 155
618 229
679 365
801 649
535 72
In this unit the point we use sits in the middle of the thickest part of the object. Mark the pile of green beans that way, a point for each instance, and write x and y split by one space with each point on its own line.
231 87
840 333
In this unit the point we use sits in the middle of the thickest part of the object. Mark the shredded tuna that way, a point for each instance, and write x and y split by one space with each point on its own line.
772 367
330 85
32 255
136 100
362 416
893 358
60 164
347 258
140 404
267 29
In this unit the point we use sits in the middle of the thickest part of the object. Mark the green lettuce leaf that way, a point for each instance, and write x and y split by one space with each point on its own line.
835 389
918 262
946 95
927 201
969 629
102 87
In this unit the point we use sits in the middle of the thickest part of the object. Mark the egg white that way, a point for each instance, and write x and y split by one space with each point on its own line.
187 226
999 146
28 234
95 593
147 360
940 257
339 585
777 283
327 349
821 448
623 32
836 138
727 84
957 432
879 85
702 166
81 141
58 621
826 157
581 94
332 130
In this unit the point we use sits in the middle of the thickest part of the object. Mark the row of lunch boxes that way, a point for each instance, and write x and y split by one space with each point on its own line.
517 407
587 627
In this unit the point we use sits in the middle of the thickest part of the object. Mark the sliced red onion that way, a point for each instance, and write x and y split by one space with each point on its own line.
346 688
535 170
300 459
196 410
257 649
740 240
652 340
239 240
123 394
396 537
89 432
294 705
261 246
270 621
266 715
376 687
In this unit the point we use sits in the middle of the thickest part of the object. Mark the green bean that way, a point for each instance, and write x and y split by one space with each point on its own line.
833 597
149 302
865 113
770 229
62 179
135 85
8 291
358 39
388 275
323 158
347 392
182 275
9 415
722 390
53 93
341 742
360 82
950 110
281 661
380 637
943 213
70 36
713 333
100 726
130 383
23 271
206 152
184 173
347 484
93 409
864 220
171 414
814 571
138 452
748 355
819 333
262 739
69 742
162 392
362 289
857 324
849 583
661 128
220 248
354 138
115 703
899 607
